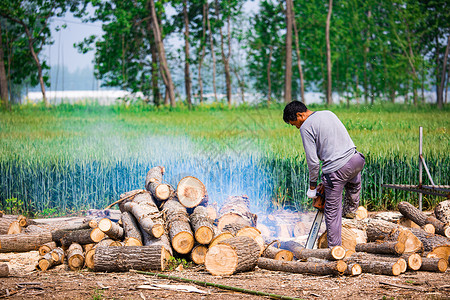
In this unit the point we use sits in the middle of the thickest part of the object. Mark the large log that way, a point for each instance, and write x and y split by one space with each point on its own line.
278 254
180 233
236 209
237 254
123 259
363 256
434 265
89 255
421 219
380 267
316 268
111 229
4 270
201 225
75 257
442 211
191 192
335 253
395 248
23 242
146 213
153 184
84 236
350 236
133 235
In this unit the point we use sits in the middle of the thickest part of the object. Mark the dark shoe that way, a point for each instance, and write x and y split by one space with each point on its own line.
350 215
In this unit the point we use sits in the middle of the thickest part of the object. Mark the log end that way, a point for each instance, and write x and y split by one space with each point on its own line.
97 235
89 259
105 225
204 235
354 269
341 266
198 254
349 253
220 260
183 242
165 257
396 269
76 262
429 228
338 252
221 237
399 248
447 231
157 230
44 264
442 265
131 241
403 264
285 255
414 261
44 249
361 213
162 192
190 191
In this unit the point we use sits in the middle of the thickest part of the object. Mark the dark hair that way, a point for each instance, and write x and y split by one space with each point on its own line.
291 110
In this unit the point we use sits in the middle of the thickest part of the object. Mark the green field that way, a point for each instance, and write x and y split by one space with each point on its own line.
68 158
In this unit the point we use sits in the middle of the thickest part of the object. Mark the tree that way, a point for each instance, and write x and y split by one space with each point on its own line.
327 37
3 79
288 70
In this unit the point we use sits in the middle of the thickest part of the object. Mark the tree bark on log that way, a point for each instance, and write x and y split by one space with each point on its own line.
395 248
430 241
123 259
75 257
198 254
201 225
442 211
253 233
363 256
146 213
8 225
278 254
23 242
238 254
335 253
46 248
153 184
434 265
179 228
421 219
220 236
4 270
413 260
316 268
75 236
111 229
89 256
380 267
161 241
441 252
236 209
133 235
191 192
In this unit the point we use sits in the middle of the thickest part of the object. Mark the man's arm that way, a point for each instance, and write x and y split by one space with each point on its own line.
309 144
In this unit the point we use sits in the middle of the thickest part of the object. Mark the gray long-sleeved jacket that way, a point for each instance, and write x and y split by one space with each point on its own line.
325 139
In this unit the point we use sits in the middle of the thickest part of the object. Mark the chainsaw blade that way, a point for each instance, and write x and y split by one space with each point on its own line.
314 232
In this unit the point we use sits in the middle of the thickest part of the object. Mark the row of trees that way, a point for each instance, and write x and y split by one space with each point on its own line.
363 50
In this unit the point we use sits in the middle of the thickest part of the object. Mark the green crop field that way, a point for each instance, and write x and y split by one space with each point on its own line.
69 158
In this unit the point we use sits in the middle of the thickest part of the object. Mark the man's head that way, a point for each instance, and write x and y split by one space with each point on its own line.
295 113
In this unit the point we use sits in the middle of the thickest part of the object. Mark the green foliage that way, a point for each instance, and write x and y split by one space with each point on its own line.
174 262
97 294
14 206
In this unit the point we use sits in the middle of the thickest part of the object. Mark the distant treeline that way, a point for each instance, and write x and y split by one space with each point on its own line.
365 51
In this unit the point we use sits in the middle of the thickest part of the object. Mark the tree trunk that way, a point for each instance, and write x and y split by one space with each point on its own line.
154 71
299 64
4 270
278 254
288 70
133 235
23 242
46 248
441 211
238 254
444 70
396 248
213 55
178 225
162 54
421 219
3 78
147 214
335 253
153 184
225 58
75 257
434 265
236 209
316 268
187 75
123 259
191 192
327 37
201 225
269 81
198 254
111 229
202 55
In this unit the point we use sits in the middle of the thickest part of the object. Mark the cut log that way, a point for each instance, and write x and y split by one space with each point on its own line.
180 234
75 257
390 216
236 209
133 235
46 248
77 236
146 213
111 229
413 260
89 256
442 211
349 236
361 213
278 254
4 270
14 228
88 247
349 253
191 192
51 259
421 219
163 240
238 254
362 256
335 253
220 236
434 265
430 241
58 255
8 225
353 269
23 242
395 248
212 212
316 268
253 233
441 252
201 225
37 228
380 267
153 184
123 259
429 228
198 254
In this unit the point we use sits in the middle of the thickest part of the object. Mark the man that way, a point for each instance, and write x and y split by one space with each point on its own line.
326 140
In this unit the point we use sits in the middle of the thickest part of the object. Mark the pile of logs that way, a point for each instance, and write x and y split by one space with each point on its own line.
160 222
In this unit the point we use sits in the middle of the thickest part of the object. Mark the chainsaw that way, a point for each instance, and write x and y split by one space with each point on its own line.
319 203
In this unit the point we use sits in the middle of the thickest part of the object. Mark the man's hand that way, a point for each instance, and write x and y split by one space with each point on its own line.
311 193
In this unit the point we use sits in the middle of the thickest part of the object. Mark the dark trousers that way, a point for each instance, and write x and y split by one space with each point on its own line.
348 177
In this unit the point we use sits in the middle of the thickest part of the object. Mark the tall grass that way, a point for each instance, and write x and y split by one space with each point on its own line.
73 157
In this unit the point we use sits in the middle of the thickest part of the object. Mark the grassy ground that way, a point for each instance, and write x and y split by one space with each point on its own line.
52 144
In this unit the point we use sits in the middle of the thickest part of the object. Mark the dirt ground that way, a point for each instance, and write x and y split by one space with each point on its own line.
25 282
